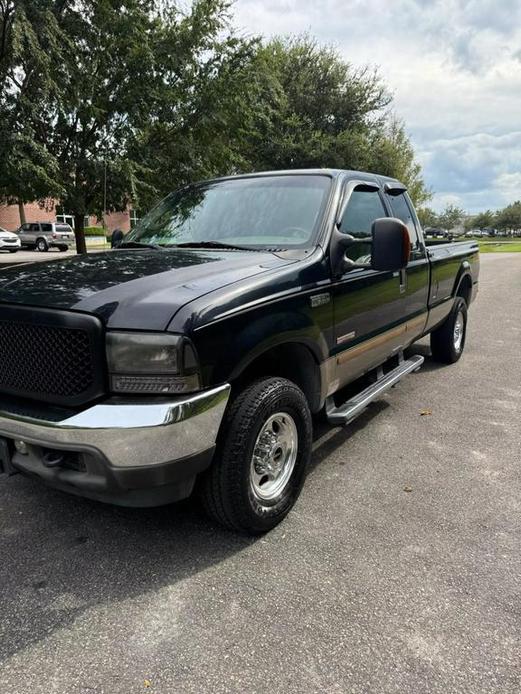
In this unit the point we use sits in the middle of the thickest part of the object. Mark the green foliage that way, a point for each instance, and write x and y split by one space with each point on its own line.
481 221
427 217
32 47
107 101
209 103
392 154
451 217
319 108
510 217
94 231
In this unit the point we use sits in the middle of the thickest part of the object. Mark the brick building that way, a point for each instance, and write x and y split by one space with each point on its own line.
10 217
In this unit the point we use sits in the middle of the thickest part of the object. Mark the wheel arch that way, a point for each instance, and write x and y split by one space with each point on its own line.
294 360
463 284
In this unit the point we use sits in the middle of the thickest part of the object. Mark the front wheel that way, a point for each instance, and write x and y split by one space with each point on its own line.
448 341
13 250
261 461
41 245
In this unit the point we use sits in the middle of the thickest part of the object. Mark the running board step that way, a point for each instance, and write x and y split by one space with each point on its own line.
353 407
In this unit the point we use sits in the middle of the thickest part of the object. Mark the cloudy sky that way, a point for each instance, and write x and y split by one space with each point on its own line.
454 67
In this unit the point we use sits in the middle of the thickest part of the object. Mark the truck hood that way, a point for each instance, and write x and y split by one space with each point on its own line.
138 288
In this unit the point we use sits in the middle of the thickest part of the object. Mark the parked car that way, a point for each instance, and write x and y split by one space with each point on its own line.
9 241
41 236
194 354
435 233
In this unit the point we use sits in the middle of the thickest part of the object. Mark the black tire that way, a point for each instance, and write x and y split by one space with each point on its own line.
62 248
42 245
444 345
227 488
13 250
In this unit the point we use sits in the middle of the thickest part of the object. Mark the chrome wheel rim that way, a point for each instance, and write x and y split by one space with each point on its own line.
459 328
274 456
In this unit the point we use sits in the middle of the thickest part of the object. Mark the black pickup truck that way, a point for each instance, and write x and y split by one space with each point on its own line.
195 354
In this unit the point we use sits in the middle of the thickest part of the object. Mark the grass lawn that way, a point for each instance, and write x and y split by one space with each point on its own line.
500 246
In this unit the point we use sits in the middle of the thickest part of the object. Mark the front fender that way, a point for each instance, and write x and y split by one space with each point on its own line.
227 347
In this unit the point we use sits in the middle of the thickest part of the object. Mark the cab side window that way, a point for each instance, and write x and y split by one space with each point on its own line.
401 209
361 211
34 227
46 227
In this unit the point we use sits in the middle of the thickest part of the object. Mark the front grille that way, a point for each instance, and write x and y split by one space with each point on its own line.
51 356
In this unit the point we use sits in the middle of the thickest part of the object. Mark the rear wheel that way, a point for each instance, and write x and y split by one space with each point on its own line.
42 246
261 461
62 248
448 341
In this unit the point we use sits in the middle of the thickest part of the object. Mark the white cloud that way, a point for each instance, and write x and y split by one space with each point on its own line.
454 68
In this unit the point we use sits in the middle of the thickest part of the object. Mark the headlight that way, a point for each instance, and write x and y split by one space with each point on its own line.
151 363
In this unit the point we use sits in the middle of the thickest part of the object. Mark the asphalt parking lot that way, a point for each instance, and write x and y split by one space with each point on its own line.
398 571
32 256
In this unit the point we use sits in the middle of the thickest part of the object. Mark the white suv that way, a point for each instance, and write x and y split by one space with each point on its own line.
9 241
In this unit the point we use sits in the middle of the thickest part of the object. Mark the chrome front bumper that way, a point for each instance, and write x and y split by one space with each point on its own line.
127 434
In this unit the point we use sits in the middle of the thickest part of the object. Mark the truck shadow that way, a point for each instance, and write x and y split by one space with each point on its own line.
327 439
425 351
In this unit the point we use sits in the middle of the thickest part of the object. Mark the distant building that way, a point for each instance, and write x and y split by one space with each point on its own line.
50 212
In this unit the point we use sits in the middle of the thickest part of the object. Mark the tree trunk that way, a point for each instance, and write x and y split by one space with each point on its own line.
21 212
79 232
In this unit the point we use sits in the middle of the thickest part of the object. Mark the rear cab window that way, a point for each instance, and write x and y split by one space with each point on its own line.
401 209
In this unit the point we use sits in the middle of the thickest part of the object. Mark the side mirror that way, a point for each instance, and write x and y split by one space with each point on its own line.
391 245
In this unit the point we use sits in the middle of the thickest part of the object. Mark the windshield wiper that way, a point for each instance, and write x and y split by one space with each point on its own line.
138 244
214 244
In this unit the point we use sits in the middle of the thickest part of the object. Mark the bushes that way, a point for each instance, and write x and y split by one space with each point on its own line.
94 231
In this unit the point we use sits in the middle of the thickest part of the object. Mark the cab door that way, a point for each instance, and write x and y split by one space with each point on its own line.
30 233
368 306
415 279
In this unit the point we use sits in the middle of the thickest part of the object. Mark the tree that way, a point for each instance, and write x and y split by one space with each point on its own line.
510 217
320 108
392 154
215 91
325 113
32 47
483 220
106 86
144 100
427 217
451 217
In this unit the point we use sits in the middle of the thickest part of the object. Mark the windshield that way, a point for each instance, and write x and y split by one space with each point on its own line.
259 212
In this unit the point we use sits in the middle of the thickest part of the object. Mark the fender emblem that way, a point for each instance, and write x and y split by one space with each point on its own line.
319 299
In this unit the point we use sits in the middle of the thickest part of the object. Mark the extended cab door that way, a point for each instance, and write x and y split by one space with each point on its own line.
415 279
368 304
